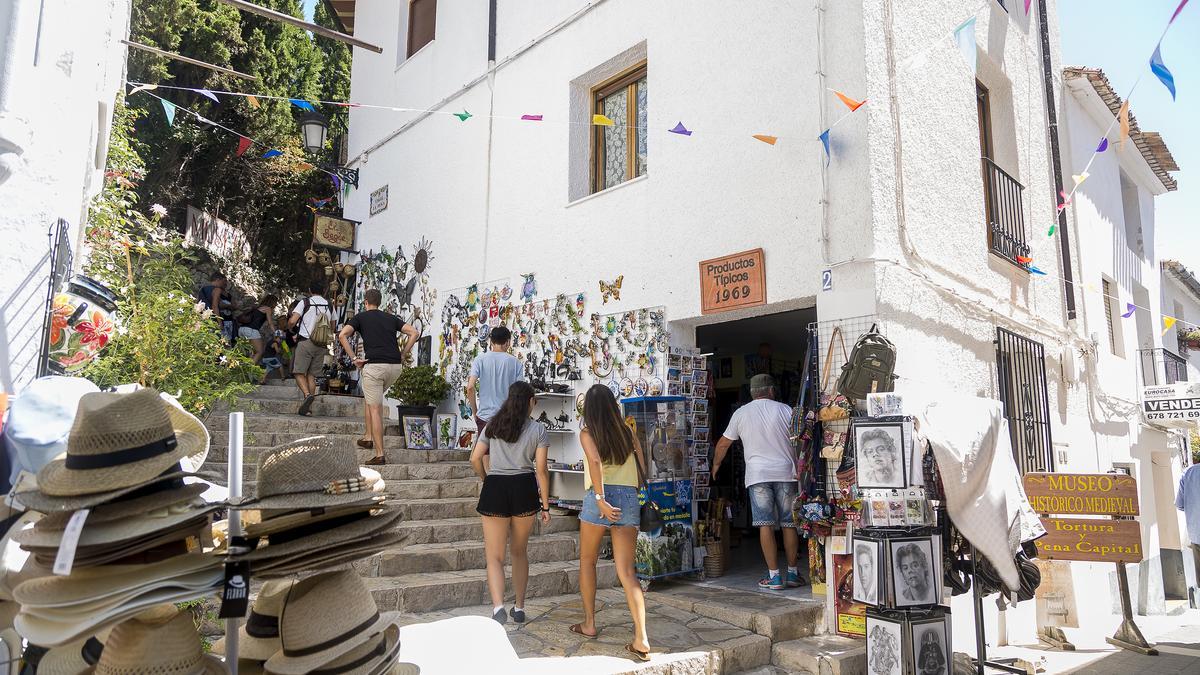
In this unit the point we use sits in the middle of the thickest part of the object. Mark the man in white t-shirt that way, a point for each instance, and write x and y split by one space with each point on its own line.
309 358
764 428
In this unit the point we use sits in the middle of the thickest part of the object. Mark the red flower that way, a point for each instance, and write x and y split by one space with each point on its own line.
80 357
95 333
58 318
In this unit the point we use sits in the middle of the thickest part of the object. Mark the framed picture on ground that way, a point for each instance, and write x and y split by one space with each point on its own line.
915 577
466 439
868 570
879 455
885 652
931 646
418 434
447 431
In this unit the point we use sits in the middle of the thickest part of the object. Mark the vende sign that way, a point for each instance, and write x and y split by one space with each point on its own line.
1172 404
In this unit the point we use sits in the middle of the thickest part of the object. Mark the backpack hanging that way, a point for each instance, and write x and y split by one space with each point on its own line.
871 367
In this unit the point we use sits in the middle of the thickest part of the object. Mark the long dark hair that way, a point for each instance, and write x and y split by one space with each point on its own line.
602 417
510 420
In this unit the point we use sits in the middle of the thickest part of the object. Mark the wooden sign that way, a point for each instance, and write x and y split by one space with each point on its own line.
733 282
1093 540
333 231
1092 494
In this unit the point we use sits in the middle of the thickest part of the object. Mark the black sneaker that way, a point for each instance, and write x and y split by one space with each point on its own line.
518 615
501 616
306 406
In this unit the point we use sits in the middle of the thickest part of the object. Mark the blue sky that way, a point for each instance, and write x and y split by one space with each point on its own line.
309 5
1119 36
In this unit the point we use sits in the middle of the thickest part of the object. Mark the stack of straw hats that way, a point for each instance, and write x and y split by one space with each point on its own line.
315 511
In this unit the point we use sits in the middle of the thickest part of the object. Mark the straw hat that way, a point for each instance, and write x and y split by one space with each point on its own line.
17 565
372 657
326 560
173 478
129 507
268 522
306 474
324 618
50 633
10 651
121 441
73 659
337 535
181 518
259 636
150 645
111 581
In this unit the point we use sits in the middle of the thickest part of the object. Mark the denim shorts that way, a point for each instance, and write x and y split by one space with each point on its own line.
622 497
771 503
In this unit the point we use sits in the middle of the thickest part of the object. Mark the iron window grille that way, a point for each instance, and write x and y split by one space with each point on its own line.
1021 372
1005 214
1160 366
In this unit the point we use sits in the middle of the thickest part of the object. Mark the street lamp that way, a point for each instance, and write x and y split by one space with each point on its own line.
314 127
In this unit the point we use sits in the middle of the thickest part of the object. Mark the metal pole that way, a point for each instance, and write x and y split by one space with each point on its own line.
234 465
1128 635
301 23
186 59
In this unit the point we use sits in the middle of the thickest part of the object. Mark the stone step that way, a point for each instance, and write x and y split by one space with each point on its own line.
220 453
431 591
219 436
776 617
821 655
323 406
457 475
469 530
275 423
432 509
430 489
469 555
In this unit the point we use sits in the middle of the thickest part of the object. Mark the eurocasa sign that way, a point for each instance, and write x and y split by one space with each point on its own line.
733 282
1172 404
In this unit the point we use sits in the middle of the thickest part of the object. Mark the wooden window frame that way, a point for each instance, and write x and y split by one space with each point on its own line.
408 47
1110 308
983 108
627 80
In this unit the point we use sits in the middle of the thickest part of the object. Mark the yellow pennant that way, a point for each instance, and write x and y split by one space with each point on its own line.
252 101
769 140
1168 323
1079 178
601 120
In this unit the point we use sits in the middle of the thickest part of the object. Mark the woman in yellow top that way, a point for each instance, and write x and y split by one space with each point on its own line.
611 458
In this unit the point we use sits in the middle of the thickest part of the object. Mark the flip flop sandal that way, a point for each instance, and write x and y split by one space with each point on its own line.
640 656
578 629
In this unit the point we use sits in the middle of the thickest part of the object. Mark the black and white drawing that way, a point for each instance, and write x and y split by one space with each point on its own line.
867 561
930 647
879 455
884 655
914 577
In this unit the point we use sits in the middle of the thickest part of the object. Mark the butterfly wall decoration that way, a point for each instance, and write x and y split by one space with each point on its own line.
611 289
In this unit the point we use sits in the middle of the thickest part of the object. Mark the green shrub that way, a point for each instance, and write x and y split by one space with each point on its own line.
419 386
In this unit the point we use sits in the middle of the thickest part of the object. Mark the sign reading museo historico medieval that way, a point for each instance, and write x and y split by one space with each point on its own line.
1088 539
733 282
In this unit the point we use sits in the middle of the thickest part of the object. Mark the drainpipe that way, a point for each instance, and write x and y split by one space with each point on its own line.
1056 159
491 84
15 47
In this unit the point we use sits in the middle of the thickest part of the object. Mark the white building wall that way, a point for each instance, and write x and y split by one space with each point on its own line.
61 66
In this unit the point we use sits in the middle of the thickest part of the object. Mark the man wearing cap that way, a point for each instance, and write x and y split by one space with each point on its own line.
763 426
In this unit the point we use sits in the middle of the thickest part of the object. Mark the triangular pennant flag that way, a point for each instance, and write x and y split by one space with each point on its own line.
169 109
1066 200
1036 270
253 101
302 104
272 153
1028 2
850 103
141 87
1103 145
1168 323
463 116
1123 120
964 37
824 138
680 129
1052 229
1080 177
1024 260
532 118
1090 287
1130 308
209 94
243 145
1161 72
337 183
601 120
305 166
1177 11
769 140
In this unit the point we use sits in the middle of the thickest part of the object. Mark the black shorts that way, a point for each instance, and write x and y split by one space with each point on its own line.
509 496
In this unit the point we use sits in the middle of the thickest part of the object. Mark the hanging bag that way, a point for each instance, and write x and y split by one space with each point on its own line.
871 367
834 413
322 332
650 518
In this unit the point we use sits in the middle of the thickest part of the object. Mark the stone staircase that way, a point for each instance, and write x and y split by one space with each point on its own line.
441 567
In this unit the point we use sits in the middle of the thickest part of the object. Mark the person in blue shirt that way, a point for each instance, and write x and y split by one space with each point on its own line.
1188 501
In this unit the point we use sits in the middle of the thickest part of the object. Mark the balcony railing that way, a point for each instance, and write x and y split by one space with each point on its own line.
1005 214
1160 366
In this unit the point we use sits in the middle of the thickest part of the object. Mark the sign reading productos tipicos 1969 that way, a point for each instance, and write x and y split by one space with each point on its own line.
1087 539
733 282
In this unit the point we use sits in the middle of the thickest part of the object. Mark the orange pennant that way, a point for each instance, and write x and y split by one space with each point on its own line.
769 140
252 101
1123 120
850 103
305 166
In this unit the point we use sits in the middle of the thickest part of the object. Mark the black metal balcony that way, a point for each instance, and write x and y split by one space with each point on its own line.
1160 366
1005 214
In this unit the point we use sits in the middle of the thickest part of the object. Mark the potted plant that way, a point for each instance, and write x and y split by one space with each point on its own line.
1192 338
418 389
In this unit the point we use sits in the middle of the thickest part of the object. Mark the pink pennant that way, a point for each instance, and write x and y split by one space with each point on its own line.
1028 2
1173 16
1066 200
532 118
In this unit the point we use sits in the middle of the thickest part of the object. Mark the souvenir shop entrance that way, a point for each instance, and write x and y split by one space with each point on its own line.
773 344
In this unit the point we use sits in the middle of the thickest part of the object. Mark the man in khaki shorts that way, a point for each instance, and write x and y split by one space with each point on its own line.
309 359
382 364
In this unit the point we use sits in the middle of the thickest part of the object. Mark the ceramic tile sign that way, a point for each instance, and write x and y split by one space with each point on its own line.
733 282
379 200
1082 494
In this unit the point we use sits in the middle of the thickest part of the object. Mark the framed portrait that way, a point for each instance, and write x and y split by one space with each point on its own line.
418 434
885 648
675 361
879 455
674 389
700 419
699 405
686 384
915 455
700 494
447 431
701 465
424 350
698 363
930 646
868 570
700 434
915 578
700 391
701 478
699 377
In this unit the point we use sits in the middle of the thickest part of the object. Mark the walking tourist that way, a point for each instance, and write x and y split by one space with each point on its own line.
215 296
612 456
1188 501
380 365
492 373
763 426
512 495
258 324
309 357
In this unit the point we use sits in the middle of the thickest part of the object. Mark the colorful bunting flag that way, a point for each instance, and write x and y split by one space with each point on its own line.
850 103
1028 2
769 140
824 138
1103 145
1130 308
1123 120
1168 323
252 101
1177 11
141 87
302 104
601 120
680 129
1024 260
1161 72
272 153
305 166
964 37
532 118
243 145
463 116
1080 177
1036 270
1053 227
169 109
209 94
